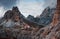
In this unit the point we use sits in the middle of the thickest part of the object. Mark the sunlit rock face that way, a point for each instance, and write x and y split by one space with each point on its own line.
56 18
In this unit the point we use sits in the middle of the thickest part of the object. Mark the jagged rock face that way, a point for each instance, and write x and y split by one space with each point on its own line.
52 31
56 18
31 18
8 14
45 18
11 14
48 32
12 18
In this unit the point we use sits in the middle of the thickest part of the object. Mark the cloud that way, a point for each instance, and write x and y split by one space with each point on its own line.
27 7
50 3
1 11
34 7
7 3
30 8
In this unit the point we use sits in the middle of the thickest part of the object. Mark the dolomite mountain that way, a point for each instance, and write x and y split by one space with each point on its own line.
13 17
52 31
45 18
15 26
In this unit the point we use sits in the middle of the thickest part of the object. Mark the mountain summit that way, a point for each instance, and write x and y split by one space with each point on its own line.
12 17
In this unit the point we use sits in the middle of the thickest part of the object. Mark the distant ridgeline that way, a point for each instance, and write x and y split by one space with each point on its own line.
15 18
11 16
45 18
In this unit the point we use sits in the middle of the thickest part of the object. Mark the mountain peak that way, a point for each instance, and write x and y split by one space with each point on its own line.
15 9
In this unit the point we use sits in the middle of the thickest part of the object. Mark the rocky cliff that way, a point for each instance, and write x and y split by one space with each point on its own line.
52 31
15 25
11 18
45 18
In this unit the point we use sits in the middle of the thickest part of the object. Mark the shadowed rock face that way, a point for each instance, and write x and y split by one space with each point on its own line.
45 18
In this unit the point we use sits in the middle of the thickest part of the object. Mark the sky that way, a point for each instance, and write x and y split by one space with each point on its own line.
27 7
